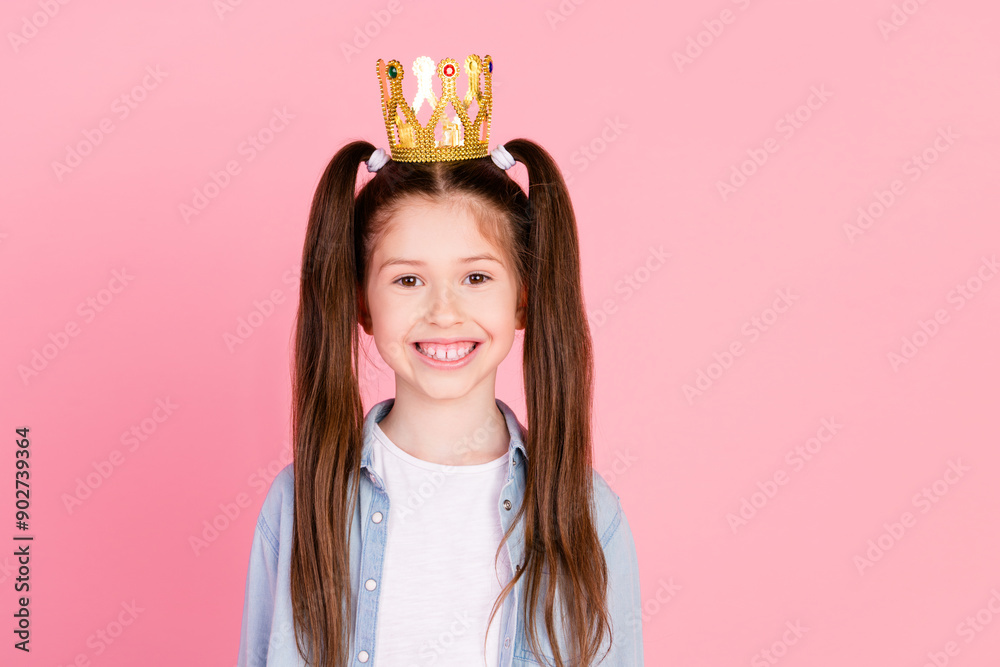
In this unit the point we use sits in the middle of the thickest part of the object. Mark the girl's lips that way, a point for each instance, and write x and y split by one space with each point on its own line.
437 363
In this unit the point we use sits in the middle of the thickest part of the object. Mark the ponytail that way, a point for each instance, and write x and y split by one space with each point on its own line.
328 414
560 534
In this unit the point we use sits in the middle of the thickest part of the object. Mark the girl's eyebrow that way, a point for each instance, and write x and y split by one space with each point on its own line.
415 262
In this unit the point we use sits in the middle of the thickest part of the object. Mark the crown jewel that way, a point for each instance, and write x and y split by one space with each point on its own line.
461 137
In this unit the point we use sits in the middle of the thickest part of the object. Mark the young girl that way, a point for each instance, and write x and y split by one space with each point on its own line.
436 529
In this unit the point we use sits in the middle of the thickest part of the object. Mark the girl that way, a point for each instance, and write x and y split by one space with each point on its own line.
427 531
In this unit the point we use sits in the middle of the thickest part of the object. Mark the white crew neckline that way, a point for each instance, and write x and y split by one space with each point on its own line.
394 449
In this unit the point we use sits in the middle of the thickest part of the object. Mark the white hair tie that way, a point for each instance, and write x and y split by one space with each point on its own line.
502 158
377 160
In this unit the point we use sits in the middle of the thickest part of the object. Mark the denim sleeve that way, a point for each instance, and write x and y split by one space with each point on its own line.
624 597
258 601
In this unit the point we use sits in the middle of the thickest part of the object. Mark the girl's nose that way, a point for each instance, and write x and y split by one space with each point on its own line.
444 308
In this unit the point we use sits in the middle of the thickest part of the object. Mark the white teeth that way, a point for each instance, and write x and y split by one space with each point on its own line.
442 354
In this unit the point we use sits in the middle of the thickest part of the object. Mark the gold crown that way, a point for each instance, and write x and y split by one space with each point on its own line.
462 138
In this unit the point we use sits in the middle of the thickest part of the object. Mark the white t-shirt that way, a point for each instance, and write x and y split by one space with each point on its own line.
438 579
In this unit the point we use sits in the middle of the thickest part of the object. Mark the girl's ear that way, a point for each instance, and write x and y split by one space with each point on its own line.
363 315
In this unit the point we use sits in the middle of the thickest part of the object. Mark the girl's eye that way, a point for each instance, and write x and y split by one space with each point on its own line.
474 279
397 281
485 278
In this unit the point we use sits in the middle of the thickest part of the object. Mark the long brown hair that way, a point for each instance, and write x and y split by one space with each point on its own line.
538 235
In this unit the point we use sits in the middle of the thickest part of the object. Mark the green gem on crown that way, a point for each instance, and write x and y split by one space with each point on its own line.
392 71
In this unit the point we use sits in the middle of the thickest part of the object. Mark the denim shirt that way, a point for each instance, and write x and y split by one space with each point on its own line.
267 636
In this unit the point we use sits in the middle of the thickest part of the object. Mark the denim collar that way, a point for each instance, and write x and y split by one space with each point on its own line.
381 409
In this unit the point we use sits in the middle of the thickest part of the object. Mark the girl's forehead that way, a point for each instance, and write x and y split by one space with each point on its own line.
421 209
435 245
435 249
453 224
438 233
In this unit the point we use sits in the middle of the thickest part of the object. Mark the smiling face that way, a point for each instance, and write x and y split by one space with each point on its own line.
442 301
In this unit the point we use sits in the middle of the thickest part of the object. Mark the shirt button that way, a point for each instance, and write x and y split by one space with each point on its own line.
377 518
370 584
506 504
506 642
363 656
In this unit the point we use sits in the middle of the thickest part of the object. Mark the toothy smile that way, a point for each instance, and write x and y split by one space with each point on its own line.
449 352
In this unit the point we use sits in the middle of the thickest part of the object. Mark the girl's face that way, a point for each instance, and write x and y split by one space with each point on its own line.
437 287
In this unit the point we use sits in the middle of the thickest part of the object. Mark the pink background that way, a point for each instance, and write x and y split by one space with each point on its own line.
644 139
